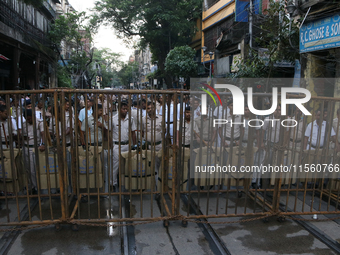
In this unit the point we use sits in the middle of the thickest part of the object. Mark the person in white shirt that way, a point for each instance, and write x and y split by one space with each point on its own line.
336 127
221 112
316 133
7 128
121 137
28 106
169 120
82 114
197 108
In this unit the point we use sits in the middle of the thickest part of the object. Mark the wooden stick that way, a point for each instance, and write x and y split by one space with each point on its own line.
48 136
90 135
3 127
81 133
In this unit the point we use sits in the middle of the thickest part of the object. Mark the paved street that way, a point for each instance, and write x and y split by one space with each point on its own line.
254 237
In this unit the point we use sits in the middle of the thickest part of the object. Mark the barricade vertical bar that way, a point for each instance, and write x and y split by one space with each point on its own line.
60 161
26 151
77 140
64 168
4 177
119 158
47 148
10 147
37 165
178 157
165 158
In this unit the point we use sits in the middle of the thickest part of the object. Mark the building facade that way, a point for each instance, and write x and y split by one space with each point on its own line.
320 46
28 60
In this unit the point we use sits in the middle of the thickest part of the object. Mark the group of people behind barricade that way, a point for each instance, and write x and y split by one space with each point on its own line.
117 125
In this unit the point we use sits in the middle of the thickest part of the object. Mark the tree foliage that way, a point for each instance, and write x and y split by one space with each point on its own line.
107 63
73 31
162 25
180 62
72 28
279 36
128 73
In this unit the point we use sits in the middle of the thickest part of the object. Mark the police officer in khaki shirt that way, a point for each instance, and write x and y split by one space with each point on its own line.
121 137
206 130
28 148
152 127
5 132
225 131
295 134
336 127
153 133
95 129
186 129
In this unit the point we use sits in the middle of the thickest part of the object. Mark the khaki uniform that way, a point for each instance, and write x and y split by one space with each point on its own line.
153 134
5 132
186 132
227 128
295 142
94 134
16 113
158 107
28 150
257 155
336 126
205 127
272 129
316 137
124 139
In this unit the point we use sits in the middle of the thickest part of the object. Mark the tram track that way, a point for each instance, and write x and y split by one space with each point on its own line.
9 237
311 228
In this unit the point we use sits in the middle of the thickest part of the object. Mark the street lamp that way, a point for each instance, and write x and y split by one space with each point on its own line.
204 48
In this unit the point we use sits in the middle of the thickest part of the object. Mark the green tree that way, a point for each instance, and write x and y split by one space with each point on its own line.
180 62
128 73
107 63
162 25
279 36
74 29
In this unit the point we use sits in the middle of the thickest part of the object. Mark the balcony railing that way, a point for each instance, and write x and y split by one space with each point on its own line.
12 19
48 9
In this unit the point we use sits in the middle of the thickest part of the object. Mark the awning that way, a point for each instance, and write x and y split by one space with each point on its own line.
3 57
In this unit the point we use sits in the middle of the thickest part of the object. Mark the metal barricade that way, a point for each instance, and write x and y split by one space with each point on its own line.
61 164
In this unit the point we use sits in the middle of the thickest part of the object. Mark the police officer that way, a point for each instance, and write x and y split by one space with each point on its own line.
186 129
5 132
271 129
28 135
316 132
225 131
153 133
121 136
255 141
82 113
96 126
206 130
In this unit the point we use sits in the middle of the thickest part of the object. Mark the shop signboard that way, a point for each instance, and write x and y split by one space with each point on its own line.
320 34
